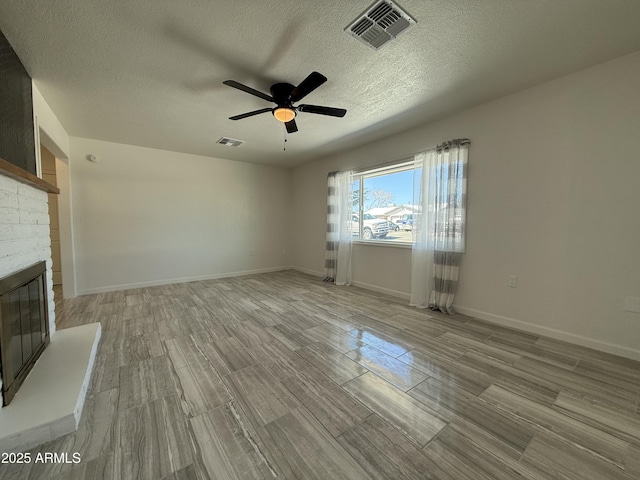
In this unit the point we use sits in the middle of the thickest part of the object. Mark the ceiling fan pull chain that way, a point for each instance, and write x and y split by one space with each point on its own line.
284 138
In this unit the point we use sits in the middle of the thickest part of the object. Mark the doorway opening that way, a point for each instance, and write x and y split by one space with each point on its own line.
48 165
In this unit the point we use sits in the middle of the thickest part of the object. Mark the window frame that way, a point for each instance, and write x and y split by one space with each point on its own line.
397 166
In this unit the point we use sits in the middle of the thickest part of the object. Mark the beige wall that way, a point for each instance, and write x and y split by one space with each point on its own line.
143 216
553 198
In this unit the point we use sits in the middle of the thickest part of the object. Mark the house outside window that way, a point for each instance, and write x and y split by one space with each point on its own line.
383 209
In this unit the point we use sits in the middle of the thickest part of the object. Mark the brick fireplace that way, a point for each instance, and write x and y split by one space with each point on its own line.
24 234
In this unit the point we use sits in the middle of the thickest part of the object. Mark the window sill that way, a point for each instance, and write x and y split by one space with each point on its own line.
378 243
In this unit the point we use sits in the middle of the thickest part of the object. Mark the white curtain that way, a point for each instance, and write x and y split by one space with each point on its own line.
339 241
439 232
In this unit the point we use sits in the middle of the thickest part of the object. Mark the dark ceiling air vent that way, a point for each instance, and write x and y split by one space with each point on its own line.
381 22
230 142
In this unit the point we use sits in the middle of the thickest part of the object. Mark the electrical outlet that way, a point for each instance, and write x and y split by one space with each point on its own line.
632 304
512 281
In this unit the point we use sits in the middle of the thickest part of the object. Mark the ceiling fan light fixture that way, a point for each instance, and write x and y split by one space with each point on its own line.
284 114
285 95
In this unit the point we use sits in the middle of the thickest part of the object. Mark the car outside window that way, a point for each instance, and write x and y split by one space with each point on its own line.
383 198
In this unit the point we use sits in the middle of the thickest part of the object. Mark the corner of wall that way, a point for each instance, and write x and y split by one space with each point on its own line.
55 138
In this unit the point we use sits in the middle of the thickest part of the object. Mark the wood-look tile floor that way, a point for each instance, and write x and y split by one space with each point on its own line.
283 376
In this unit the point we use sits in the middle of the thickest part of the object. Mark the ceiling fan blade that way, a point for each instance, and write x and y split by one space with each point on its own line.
244 88
291 126
332 112
308 85
250 114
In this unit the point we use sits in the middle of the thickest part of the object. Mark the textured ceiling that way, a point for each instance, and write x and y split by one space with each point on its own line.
150 72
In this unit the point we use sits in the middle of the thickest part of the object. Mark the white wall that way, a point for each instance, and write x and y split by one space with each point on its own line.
143 216
553 198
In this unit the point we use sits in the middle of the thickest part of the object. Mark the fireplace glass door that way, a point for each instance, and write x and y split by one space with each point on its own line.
24 331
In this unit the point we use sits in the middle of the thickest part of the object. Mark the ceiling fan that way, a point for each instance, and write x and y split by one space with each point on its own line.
284 95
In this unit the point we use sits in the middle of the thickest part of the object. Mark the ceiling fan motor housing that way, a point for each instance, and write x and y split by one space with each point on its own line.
281 93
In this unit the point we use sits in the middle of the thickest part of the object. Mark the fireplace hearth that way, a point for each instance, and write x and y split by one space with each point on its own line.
24 325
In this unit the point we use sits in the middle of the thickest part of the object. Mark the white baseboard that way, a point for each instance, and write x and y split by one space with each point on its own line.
386 291
155 283
367 286
612 348
315 273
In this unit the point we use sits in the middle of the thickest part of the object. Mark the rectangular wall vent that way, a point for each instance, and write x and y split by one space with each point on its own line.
230 142
381 22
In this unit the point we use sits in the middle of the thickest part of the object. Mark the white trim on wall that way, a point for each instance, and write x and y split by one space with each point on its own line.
36 134
307 271
551 333
366 286
386 291
155 283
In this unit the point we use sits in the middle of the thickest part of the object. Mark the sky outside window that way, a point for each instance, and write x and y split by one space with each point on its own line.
399 185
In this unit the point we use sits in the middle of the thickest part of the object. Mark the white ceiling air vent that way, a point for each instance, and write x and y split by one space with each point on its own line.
230 142
380 23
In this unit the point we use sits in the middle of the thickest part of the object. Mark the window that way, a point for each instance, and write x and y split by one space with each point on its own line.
383 199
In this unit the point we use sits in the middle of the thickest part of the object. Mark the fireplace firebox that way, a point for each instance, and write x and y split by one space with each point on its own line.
24 325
